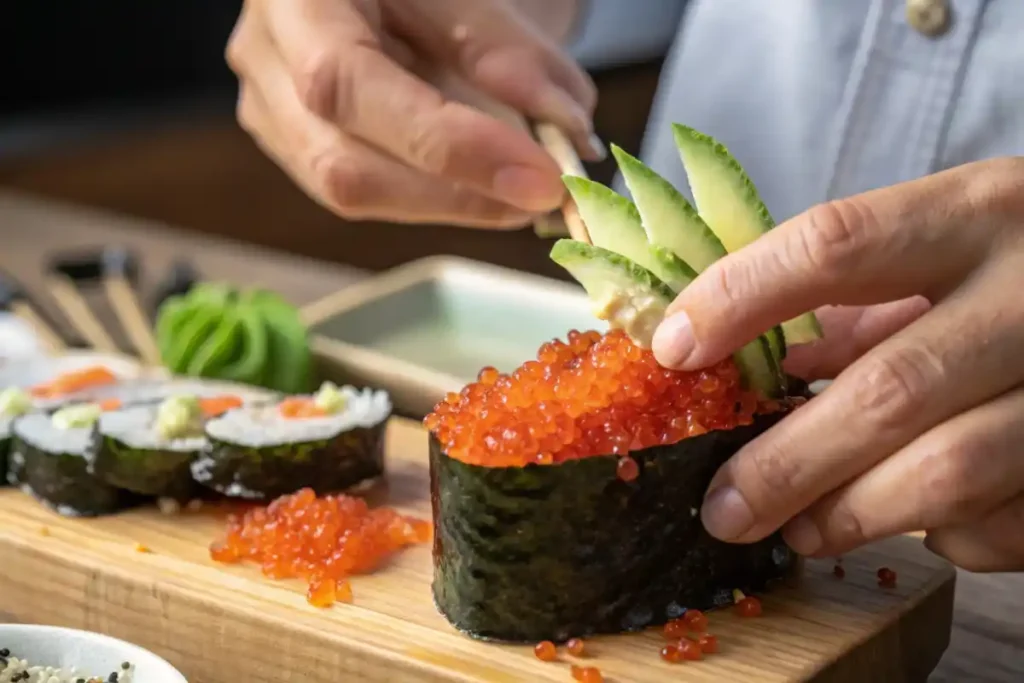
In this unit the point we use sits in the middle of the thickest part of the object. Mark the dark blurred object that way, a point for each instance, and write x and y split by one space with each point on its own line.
89 267
66 55
181 277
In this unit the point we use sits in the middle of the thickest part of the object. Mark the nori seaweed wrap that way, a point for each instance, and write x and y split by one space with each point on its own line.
549 552
5 447
566 495
49 463
149 448
129 452
260 453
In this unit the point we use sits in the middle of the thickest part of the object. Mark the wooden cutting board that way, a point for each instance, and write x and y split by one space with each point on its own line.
221 624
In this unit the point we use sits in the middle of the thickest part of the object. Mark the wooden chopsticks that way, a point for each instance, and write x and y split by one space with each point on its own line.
133 320
558 145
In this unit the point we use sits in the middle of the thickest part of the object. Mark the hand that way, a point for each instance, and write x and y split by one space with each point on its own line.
923 427
337 92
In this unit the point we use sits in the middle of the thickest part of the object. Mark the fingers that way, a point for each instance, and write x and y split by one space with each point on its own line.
955 473
349 177
850 331
994 544
507 58
343 76
955 357
880 246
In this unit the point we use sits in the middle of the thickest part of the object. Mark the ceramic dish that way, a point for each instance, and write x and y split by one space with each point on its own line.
427 327
92 654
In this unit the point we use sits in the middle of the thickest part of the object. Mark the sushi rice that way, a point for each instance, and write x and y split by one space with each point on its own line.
264 426
130 450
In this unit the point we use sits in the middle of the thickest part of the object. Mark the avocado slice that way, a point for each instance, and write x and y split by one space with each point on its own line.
730 204
613 223
668 219
634 299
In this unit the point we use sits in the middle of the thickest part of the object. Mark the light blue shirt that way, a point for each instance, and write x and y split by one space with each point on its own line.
821 99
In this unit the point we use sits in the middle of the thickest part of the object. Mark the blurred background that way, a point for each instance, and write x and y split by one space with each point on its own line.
129 106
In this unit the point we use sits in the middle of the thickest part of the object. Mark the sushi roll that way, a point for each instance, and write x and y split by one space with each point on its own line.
48 461
149 448
13 403
566 495
329 441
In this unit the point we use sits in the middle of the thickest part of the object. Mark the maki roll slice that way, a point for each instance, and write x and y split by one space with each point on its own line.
328 442
48 461
149 448
13 403
566 494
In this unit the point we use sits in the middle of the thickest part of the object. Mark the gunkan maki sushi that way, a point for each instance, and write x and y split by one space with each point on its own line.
149 448
329 441
48 461
566 494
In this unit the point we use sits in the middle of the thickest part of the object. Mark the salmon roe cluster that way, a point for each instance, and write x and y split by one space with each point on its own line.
590 395
323 540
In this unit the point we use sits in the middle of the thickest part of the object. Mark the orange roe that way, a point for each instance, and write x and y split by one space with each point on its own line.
591 394
586 674
675 629
696 621
886 578
323 540
749 607
627 469
689 650
545 651
575 647
671 654
708 644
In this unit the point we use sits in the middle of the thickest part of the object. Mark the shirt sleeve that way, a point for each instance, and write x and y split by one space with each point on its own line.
613 33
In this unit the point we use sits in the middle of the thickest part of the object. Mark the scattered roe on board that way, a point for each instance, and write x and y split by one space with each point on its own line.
323 540
591 395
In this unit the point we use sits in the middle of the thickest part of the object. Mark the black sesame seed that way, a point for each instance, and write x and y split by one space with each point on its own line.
5 652
80 680
125 665
113 677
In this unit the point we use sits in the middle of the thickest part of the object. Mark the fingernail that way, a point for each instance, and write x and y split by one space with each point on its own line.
527 188
596 148
673 340
802 535
558 106
726 514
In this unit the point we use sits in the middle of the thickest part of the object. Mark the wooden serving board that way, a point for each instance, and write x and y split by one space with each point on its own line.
222 624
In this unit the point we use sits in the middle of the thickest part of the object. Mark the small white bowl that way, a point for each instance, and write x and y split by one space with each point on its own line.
92 654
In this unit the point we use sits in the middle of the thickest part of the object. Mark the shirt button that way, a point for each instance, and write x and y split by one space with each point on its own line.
928 17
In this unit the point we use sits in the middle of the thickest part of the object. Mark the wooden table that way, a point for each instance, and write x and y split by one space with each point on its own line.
988 633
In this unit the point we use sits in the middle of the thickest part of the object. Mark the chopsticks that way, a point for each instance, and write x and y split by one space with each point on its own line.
133 320
75 308
118 265
561 149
